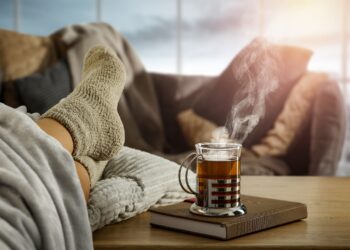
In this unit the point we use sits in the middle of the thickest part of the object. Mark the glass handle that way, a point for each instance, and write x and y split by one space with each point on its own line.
191 157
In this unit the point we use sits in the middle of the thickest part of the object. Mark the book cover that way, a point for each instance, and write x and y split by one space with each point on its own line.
262 213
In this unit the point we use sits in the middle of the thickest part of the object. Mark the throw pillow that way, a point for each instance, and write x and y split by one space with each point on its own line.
39 92
23 55
296 110
217 102
195 128
176 94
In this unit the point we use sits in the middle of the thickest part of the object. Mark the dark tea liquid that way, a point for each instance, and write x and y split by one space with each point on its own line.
218 183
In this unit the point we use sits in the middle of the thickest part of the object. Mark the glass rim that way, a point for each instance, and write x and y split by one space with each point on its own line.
218 145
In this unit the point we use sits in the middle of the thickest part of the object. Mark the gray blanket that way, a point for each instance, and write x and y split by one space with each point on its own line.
41 202
134 181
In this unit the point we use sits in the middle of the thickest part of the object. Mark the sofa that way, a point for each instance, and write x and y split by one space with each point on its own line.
39 71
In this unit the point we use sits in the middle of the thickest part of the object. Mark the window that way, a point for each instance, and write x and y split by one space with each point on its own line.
346 41
311 24
44 17
7 10
202 36
213 31
183 36
149 27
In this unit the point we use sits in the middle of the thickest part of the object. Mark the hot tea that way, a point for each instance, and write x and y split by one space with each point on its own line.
218 179
218 183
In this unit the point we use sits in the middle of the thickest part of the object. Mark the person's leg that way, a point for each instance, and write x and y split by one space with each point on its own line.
87 122
83 178
90 112
58 131
61 134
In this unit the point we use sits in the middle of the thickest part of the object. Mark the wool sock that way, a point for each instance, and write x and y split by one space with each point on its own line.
95 168
90 113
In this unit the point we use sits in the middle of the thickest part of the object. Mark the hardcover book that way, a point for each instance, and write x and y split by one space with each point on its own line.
262 213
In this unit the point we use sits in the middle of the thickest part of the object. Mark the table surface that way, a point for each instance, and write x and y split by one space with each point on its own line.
327 225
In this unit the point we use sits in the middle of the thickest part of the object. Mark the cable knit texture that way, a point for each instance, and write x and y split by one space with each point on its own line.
90 112
134 181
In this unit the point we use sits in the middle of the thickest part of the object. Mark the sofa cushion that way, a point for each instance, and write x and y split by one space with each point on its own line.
328 129
217 102
23 55
296 111
196 129
39 92
176 94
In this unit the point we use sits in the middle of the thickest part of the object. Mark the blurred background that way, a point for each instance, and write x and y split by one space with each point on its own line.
179 36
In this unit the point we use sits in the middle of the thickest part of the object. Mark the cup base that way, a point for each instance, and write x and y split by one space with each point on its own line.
218 212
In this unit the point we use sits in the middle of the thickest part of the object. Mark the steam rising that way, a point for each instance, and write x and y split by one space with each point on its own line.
256 71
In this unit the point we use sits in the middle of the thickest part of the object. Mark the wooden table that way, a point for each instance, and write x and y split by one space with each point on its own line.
327 225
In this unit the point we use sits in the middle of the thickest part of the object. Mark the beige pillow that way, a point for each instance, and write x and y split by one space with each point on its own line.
195 128
296 109
22 55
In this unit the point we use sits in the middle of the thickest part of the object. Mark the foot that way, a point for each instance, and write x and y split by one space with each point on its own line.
90 112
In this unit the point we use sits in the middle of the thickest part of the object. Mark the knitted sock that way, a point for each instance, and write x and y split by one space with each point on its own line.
90 113
94 168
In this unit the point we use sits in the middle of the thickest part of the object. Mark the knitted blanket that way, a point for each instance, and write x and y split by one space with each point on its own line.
132 182
41 202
